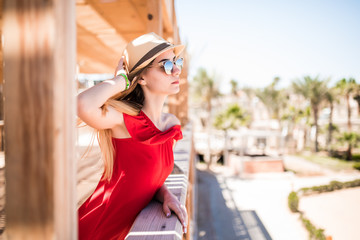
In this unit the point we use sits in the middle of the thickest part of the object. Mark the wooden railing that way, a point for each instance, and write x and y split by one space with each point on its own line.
152 223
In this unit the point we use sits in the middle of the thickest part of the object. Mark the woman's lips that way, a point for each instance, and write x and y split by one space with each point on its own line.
175 82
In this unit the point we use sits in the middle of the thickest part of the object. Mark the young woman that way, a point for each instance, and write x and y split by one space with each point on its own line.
136 138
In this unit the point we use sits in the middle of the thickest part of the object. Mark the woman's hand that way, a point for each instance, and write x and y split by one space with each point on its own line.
171 203
120 67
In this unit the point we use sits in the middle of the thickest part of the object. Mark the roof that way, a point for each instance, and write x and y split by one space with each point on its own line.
105 26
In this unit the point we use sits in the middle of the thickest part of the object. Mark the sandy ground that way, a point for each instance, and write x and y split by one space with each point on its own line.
336 212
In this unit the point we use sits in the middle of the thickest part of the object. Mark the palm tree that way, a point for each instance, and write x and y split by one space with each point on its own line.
205 89
352 140
357 96
313 90
232 118
273 99
331 98
234 87
306 114
347 89
292 115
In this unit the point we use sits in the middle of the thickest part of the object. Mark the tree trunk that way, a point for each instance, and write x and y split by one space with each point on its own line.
291 138
348 152
357 99
316 112
348 112
208 129
305 137
330 130
226 149
207 157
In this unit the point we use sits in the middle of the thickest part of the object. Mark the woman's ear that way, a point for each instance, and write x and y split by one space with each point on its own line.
142 81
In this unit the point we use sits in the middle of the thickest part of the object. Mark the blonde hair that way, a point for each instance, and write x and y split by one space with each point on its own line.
130 102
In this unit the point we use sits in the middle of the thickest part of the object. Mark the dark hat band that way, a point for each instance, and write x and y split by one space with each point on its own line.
150 54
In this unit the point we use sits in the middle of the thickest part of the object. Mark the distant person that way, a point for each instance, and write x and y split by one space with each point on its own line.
136 138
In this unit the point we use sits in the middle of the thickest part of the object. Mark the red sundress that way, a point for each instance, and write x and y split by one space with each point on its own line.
141 165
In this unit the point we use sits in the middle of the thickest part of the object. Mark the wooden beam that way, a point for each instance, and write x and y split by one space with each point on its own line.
39 74
154 17
167 15
1 76
93 56
89 19
176 35
64 104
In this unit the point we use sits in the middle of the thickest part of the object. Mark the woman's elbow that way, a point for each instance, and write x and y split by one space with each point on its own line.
82 106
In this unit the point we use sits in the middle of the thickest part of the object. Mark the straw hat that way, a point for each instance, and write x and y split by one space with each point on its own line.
142 50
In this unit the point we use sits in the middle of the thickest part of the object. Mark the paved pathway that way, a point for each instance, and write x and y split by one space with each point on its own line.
218 216
227 195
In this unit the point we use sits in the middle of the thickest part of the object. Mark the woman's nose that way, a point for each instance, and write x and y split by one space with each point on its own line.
176 71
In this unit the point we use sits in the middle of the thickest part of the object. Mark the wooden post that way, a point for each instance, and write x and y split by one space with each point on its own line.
1 85
154 17
178 104
39 73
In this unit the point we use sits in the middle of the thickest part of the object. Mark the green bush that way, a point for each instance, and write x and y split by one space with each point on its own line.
293 202
357 166
315 233
351 184
356 157
338 154
334 185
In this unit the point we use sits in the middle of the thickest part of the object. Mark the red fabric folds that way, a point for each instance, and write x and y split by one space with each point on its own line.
141 165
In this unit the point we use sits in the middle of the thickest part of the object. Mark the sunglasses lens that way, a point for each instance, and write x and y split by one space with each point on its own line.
168 66
179 63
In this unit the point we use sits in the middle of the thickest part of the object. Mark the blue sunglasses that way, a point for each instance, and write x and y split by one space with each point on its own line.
168 65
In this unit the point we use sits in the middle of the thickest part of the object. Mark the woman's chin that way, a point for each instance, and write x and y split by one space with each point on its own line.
175 91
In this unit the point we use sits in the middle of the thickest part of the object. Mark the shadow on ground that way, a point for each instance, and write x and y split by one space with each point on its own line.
217 221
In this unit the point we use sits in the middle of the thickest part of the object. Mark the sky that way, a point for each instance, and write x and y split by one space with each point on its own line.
254 41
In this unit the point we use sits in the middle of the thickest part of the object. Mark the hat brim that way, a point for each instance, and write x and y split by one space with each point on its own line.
178 49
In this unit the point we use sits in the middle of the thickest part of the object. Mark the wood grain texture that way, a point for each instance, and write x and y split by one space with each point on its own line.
64 104
39 73
106 27
154 17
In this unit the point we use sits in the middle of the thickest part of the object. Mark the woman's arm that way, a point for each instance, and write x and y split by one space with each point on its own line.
89 102
171 203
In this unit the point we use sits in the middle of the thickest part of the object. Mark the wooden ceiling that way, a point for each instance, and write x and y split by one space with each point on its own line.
105 26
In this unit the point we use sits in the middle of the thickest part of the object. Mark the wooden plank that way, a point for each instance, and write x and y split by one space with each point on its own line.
64 105
1 76
39 119
93 55
2 194
154 17
99 43
125 16
167 13
191 196
152 221
96 23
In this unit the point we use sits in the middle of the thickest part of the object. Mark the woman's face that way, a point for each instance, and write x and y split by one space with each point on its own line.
157 81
